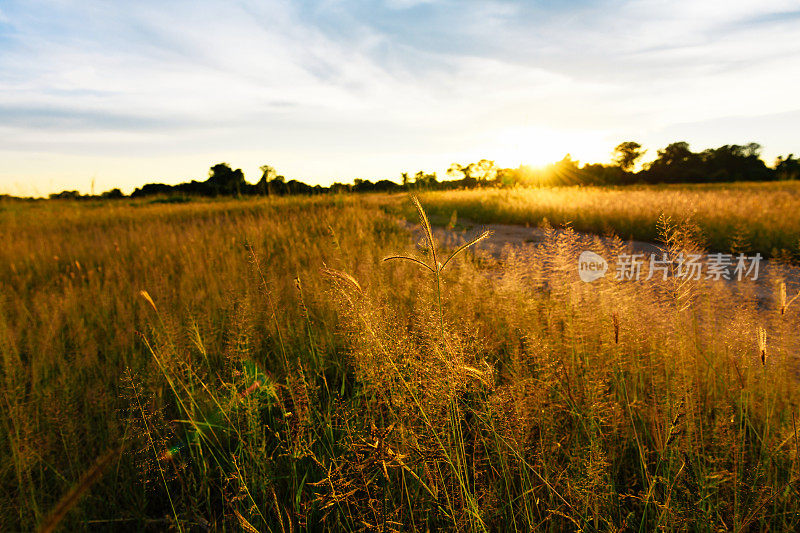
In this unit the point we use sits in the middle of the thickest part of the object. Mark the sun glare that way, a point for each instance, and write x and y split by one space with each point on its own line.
538 147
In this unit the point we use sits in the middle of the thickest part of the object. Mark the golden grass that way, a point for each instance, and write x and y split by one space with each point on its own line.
752 217
267 370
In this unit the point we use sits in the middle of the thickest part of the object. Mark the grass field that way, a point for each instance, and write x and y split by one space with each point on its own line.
752 217
255 365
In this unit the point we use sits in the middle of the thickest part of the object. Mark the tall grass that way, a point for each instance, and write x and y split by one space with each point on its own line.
266 370
753 217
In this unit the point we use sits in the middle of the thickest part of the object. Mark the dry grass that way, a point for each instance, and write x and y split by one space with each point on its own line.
756 217
276 374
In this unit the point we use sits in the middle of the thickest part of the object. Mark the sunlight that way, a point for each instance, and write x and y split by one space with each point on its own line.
537 146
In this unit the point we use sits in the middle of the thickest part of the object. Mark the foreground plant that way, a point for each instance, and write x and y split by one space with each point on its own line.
551 404
435 267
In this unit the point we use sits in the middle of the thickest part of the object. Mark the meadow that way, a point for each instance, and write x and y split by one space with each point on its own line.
737 217
257 365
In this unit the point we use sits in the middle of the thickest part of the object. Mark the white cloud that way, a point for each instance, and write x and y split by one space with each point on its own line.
407 4
329 90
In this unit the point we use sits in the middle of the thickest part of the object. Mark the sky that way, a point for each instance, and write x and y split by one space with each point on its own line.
101 94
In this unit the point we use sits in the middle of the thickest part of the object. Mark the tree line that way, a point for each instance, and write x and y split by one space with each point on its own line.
675 163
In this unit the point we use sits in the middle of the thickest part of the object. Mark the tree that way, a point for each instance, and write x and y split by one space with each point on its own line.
787 168
424 181
268 173
481 171
627 153
675 153
751 150
456 171
66 195
564 172
223 180
734 162
676 163
113 193
484 170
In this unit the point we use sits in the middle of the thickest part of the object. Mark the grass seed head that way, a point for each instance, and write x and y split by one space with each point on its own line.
146 296
762 344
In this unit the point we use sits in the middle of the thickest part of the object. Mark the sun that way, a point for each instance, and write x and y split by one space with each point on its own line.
540 146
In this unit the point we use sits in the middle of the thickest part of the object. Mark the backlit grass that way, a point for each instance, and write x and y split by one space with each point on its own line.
256 365
752 217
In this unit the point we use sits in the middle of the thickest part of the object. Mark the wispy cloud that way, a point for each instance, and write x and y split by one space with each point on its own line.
356 88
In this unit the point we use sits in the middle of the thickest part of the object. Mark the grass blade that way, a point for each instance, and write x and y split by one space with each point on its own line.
70 499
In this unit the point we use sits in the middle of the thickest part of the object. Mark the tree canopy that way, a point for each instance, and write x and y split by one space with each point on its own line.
675 163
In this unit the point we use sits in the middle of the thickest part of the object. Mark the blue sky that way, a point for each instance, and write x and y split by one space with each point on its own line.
123 93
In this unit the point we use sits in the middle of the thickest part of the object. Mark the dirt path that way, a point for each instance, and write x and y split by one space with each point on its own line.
504 235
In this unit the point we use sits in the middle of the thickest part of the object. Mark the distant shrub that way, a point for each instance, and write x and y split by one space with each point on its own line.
171 200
